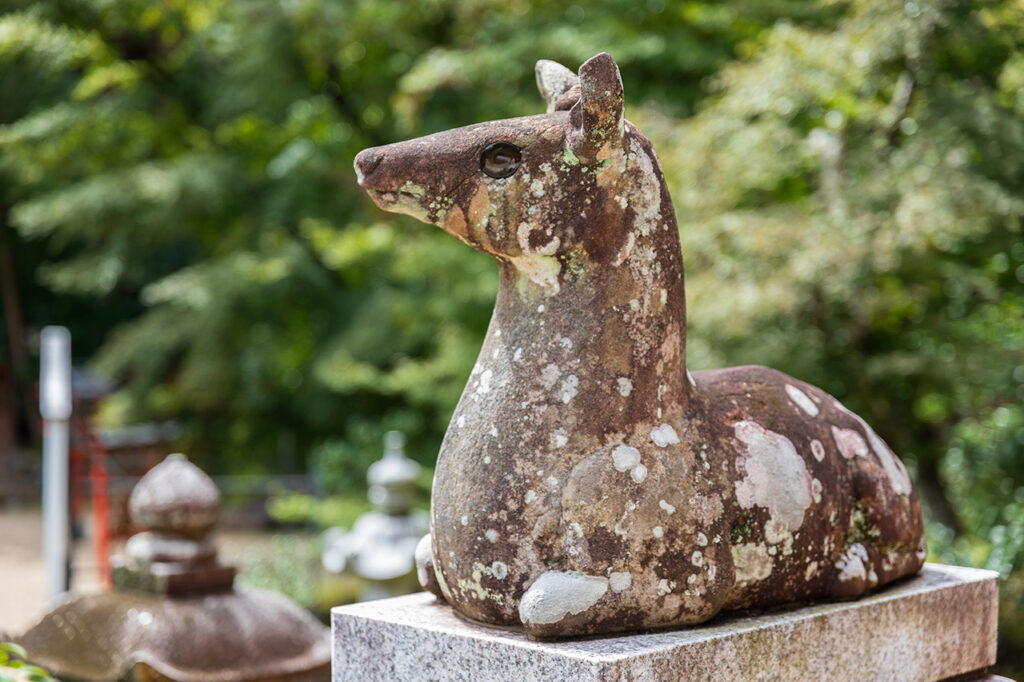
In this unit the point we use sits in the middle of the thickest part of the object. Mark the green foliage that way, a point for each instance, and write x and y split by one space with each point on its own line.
285 563
14 668
850 202
849 183
303 508
190 164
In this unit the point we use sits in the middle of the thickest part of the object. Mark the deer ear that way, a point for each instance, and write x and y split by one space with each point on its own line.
553 81
599 111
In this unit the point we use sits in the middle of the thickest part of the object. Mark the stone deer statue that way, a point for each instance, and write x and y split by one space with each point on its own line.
589 483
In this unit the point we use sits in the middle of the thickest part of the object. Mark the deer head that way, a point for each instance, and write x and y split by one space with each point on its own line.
536 191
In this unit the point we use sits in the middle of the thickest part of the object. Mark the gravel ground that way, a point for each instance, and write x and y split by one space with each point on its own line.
22 572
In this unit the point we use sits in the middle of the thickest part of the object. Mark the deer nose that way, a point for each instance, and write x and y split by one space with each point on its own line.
366 162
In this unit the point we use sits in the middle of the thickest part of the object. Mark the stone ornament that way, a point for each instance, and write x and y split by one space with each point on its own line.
589 483
176 505
380 548
174 612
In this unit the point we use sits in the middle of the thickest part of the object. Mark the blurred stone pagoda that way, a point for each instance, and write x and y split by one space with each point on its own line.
174 613
380 548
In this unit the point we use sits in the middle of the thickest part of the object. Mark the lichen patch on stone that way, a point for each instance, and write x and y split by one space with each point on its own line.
557 594
776 476
751 562
849 442
851 564
802 400
620 581
625 457
664 435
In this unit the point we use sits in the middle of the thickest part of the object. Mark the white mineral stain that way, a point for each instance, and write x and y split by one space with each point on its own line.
667 507
849 442
664 435
499 570
557 594
776 476
491 535
559 438
570 387
658 531
639 473
697 559
802 400
625 457
752 562
812 568
620 581
565 342
818 450
540 308
625 386
464 520
664 586
634 305
530 496
551 481
816 490
702 539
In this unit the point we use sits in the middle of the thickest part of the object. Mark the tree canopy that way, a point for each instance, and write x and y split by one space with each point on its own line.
176 186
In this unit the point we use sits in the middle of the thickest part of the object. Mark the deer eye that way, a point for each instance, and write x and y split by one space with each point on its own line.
500 160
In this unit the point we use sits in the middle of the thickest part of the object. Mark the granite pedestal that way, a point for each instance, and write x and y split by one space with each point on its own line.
939 624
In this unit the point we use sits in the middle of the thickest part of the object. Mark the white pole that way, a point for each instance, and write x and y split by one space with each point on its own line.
55 409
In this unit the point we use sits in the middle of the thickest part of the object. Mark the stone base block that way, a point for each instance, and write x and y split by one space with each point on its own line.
936 625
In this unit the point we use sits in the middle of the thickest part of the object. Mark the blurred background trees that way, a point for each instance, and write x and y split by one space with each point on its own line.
176 187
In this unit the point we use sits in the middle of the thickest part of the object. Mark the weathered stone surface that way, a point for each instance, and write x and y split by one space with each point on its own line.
589 483
935 625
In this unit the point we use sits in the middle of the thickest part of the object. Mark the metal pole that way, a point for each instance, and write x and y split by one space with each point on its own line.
55 409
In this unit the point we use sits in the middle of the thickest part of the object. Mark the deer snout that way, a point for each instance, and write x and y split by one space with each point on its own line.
366 163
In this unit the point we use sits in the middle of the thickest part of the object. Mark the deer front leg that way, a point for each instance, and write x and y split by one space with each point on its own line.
640 548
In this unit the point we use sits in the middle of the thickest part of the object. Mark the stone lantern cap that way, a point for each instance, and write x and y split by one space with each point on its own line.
175 497
392 479
177 504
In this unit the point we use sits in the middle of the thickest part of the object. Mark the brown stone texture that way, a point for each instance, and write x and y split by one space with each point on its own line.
936 625
588 482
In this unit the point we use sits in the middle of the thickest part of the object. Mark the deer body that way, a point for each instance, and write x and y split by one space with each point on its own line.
588 482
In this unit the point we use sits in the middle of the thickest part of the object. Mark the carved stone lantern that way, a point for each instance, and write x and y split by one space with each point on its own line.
380 547
174 612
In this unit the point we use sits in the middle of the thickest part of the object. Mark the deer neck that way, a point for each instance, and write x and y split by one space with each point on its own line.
603 342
